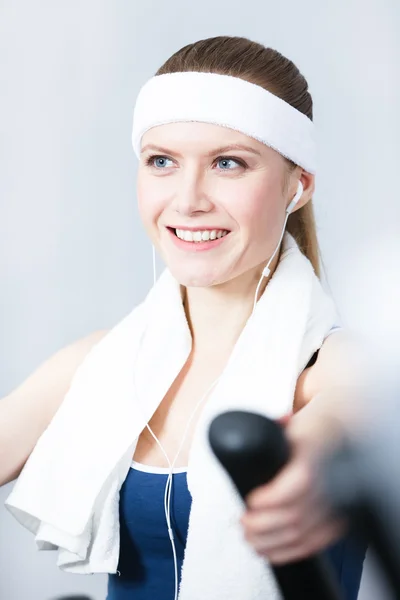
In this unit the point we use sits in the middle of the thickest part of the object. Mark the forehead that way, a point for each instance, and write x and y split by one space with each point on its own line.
196 138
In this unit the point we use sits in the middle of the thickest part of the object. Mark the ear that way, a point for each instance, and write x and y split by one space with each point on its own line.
308 181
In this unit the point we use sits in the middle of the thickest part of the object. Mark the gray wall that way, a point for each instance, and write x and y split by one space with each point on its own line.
73 256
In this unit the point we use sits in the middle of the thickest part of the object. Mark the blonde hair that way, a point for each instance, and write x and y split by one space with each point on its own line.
241 57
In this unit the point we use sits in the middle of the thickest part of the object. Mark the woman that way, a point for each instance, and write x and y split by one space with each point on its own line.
218 184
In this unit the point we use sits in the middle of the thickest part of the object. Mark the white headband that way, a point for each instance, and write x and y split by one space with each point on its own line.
230 102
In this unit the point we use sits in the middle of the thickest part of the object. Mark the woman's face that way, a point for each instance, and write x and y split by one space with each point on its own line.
208 181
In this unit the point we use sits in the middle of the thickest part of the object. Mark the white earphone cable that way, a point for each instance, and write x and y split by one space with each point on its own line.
289 209
154 267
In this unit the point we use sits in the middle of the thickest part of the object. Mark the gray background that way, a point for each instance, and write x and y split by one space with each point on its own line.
73 255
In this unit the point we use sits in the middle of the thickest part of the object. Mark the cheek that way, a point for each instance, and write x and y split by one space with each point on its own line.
149 199
256 209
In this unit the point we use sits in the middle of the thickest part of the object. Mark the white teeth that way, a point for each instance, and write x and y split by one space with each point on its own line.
200 236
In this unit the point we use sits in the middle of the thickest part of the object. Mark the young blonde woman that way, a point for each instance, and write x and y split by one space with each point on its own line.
108 438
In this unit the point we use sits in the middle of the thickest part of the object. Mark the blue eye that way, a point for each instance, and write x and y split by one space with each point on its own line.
229 161
159 162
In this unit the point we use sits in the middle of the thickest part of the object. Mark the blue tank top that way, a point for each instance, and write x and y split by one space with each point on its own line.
146 563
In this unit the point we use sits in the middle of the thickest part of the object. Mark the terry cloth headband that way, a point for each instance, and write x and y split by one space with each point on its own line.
230 102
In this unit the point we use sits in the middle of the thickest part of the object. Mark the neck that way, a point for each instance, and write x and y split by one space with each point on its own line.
218 314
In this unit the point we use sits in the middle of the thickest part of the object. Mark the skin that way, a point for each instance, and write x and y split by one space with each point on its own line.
186 180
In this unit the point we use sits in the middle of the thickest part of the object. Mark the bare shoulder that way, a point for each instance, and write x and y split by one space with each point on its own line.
56 372
28 409
341 364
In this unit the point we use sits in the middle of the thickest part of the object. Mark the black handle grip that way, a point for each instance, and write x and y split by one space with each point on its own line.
253 449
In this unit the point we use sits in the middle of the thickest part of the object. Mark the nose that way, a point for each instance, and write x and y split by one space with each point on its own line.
191 196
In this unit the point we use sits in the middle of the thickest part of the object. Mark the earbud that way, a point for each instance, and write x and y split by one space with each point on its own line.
266 272
297 197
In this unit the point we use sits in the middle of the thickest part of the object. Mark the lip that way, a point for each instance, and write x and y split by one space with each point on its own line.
196 228
194 246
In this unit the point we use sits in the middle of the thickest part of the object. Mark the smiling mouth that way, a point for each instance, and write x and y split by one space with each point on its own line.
200 235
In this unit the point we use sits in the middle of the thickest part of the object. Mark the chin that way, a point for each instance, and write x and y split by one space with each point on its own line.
196 278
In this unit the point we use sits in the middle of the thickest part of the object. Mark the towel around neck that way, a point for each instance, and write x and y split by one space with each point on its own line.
68 492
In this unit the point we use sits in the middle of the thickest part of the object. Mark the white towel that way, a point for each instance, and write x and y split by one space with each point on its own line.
68 491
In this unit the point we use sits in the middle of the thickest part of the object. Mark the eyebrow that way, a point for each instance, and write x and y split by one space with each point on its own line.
219 150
